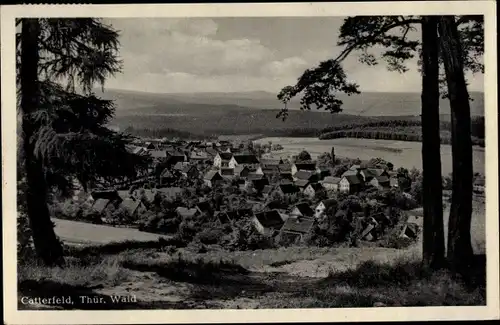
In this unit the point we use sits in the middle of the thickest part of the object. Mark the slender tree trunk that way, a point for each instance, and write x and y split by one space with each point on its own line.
47 246
433 232
459 251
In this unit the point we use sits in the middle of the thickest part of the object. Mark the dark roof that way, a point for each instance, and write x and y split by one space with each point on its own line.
227 171
331 180
270 169
304 209
187 168
329 203
270 219
130 205
305 165
204 206
353 179
212 174
317 187
303 174
166 173
298 225
211 151
246 159
225 155
289 188
254 176
301 182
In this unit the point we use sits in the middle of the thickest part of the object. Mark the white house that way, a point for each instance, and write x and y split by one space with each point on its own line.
331 183
323 206
313 189
222 159
249 161
350 184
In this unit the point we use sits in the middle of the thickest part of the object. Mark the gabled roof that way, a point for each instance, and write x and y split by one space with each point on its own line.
270 219
305 165
110 194
304 209
180 165
100 204
254 176
316 187
225 155
382 179
298 225
212 174
302 183
227 171
239 168
349 172
289 188
303 174
158 153
130 205
198 155
270 162
187 168
211 152
246 159
331 180
166 173
353 179
329 203
124 194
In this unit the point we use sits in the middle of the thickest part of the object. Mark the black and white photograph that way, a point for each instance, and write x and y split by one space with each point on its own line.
163 159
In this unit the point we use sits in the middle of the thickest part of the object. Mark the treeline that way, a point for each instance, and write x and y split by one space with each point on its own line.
389 135
477 126
161 133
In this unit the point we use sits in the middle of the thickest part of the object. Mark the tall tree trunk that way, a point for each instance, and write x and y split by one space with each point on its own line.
459 252
47 246
433 232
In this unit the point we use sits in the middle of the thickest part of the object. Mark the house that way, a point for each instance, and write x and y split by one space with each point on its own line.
212 178
190 171
145 195
134 207
331 183
287 189
186 213
241 171
199 157
136 150
180 165
270 170
100 205
257 181
305 175
323 207
170 193
248 160
227 172
149 145
222 159
268 223
166 177
211 153
294 229
110 194
125 194
302 210
380 182
175 157
393 182
271 162
323 172
302 184
307 166
370 173
479 185
313 189
158 155
350 184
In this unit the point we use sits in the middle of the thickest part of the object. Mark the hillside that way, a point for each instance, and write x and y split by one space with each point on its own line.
365 104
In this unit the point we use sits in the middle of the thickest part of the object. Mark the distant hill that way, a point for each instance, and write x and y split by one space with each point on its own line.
364 104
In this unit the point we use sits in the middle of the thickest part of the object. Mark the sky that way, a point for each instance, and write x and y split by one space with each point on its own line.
239 54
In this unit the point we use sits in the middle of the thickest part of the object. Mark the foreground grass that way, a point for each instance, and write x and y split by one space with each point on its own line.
255 279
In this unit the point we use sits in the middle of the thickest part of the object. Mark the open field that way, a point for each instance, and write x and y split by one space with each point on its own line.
76 232
400 153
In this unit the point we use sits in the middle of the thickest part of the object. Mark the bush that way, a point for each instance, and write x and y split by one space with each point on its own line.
210 236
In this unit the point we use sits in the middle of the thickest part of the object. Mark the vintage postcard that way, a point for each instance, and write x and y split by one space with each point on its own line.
236 163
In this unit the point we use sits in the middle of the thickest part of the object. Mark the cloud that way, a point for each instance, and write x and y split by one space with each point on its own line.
188 55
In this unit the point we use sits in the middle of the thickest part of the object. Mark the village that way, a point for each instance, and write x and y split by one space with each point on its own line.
283 198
